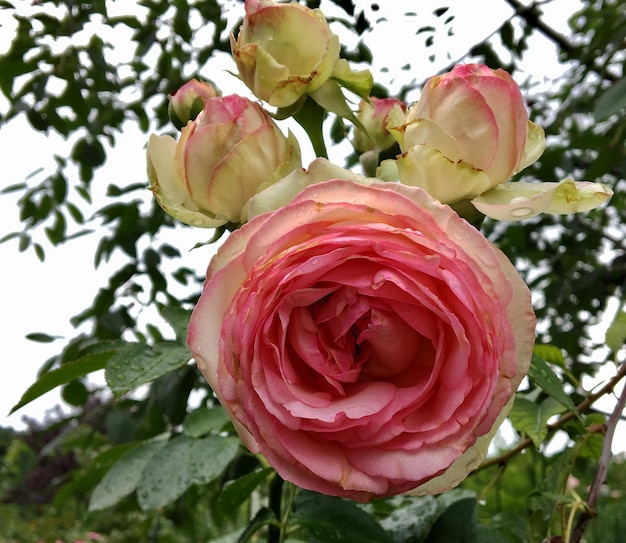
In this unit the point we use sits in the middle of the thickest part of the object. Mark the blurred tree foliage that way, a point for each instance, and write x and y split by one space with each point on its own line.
96 471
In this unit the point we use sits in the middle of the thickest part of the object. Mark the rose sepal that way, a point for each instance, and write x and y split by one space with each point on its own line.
359 82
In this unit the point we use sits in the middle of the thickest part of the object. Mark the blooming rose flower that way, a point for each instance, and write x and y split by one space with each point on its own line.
284 51
364 338
373 117
229 152
468 133
188 101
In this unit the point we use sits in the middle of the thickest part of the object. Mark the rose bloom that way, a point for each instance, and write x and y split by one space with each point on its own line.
364 338
227 154
284 50
468 132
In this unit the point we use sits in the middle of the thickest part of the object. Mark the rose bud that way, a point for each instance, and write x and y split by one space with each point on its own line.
373 117
188 101
284 51
229 152
468 132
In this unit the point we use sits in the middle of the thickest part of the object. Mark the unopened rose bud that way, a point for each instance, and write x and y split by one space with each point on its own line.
468 132
373 116
284 51
188 101
229 152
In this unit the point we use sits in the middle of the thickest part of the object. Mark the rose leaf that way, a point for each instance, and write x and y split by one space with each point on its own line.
238 491
334 520
123 476
532 419
138 364
544 377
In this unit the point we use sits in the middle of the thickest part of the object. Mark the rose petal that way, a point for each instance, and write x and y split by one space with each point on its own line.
518 201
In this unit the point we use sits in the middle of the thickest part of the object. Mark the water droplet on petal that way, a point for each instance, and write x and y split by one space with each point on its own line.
521 212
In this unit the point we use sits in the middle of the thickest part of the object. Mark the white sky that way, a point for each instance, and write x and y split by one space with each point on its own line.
42 297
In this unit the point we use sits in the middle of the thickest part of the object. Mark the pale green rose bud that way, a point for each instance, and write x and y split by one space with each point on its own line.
373 117
468 132
284 51
231 151
188 101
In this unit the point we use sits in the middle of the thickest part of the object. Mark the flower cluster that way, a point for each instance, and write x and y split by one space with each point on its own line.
359 331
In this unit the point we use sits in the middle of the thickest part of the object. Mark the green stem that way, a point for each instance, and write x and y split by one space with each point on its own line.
274 533
291 493
311 117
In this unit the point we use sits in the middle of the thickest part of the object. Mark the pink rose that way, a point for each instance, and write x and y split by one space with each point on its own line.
364 338
468 132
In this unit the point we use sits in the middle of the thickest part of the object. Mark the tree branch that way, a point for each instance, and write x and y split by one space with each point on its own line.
580 408
531 17
603 468
529 14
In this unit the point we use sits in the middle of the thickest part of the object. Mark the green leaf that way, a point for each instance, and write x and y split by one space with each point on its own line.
457 522
263 517
209 457
238 491
333 520
205 420
489 534
14 188
178 319
550 353
64 374
75 393
411 518
181 463
138 364
611 101
616 332
511 524
543 376
41 338
532 418
124 475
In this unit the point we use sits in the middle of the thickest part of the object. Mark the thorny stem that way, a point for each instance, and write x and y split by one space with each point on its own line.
603 466
580 408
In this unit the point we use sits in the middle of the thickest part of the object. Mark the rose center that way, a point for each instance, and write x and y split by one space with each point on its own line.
360 338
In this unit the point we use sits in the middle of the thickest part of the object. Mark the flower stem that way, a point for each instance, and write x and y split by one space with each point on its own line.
274 533
311 117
